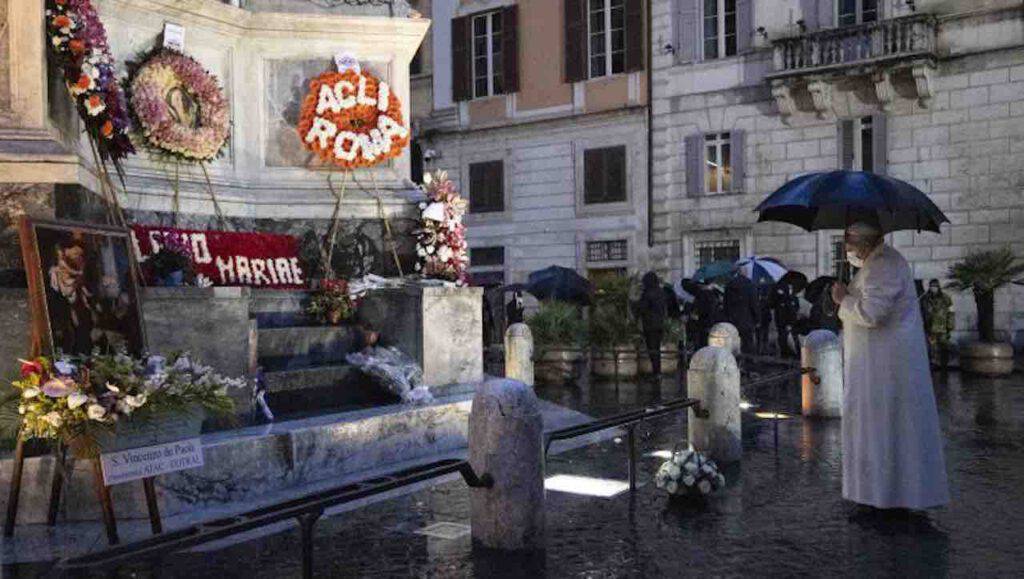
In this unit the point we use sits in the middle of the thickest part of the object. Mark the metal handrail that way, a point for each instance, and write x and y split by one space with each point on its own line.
306 510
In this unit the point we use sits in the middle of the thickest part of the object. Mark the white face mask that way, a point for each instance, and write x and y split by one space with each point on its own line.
854 259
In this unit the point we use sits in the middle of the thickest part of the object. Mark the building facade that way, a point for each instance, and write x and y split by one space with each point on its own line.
749 94
539 113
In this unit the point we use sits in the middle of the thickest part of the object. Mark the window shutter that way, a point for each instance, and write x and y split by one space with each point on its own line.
694 145
738 153
744 25
461 59
809 13
497 185
879 144
634 35
575 40
846 144
688 36
510 48
826 14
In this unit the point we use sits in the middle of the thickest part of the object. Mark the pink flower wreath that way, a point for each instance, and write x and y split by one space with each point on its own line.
164 84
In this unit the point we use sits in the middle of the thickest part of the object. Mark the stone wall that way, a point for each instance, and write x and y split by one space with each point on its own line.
963 150
545 221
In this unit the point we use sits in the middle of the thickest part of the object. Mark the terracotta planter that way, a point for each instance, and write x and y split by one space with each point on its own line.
622 364
987 358
557 366
669 360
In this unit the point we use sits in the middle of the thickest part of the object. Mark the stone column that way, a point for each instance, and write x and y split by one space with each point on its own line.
714 379
823 352
519 353
506 441
725 335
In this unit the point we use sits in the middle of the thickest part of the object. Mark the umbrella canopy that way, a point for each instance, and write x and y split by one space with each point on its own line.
713 270
835 199
813 290
557 283
758 268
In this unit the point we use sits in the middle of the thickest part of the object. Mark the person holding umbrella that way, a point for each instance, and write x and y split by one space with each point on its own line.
892 445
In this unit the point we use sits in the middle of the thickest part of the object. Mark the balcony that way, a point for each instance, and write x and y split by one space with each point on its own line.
879 50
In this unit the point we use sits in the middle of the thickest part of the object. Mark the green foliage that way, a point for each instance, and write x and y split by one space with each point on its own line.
611 321
985 271
558 324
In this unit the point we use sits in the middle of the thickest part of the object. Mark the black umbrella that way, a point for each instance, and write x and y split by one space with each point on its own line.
836 199
813 290
557 283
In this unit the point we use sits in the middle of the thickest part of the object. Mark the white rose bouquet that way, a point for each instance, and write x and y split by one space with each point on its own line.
689 473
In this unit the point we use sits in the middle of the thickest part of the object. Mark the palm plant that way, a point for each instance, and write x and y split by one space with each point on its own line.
558 324
983 272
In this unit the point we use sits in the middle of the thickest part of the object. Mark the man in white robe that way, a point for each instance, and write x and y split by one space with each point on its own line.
892 445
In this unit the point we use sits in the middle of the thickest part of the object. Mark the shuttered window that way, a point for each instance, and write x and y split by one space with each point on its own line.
487 187
485 59
707 29
862 144
714 163
603 37
605 175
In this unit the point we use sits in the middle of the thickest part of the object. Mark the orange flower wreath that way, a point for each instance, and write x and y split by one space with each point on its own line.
352 120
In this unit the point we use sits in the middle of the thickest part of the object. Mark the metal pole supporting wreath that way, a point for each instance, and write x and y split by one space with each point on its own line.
332 233
216 205
389 239
109 192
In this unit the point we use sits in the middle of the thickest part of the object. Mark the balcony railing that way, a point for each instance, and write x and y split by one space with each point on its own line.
850 46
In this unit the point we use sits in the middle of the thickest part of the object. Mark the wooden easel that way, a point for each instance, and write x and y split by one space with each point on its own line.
37 307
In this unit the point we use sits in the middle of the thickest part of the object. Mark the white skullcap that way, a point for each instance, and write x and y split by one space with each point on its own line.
862 229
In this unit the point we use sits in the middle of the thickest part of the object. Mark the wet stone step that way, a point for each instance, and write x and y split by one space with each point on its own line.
339 376
307 344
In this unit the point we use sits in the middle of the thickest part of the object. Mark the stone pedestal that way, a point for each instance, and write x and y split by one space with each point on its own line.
440 327
822 351
714 379
725 335
506 442
519 353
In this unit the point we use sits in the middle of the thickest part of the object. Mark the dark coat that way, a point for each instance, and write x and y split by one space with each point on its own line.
652 309
785 305
741 302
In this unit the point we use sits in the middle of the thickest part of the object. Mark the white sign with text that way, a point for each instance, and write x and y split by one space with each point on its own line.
135 463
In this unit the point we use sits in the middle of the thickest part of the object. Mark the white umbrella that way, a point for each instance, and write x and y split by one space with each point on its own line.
754 267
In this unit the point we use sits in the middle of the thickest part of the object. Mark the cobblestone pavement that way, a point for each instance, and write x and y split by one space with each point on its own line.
781 514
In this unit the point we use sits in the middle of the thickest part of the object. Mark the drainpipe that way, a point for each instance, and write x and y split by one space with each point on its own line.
650 124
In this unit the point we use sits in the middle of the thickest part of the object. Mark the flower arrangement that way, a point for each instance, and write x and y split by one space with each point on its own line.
174 256
441 237
75 399
332 303
689 473
179 106
78 42
352 119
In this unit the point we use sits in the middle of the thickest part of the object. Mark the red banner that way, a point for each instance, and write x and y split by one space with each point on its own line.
264 260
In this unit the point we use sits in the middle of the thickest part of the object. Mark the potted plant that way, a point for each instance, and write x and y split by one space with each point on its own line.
169 266
331 303
984 272
614 333
559 338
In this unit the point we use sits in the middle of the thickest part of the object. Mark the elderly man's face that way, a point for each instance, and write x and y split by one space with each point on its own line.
857 245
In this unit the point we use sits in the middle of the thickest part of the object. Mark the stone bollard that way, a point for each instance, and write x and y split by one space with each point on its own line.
725 335
506 441
822 351
714 379
519 353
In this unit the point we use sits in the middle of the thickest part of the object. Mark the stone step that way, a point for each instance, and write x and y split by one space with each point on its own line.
312 344
337 376
280 308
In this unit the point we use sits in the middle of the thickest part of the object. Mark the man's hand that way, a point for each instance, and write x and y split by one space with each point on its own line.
838 292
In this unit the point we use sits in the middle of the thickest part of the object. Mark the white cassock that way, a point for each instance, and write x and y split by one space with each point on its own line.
892 445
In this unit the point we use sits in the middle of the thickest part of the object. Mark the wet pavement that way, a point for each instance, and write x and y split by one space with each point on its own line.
781 514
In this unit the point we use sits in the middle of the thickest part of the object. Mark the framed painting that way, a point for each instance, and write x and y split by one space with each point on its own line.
83 288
